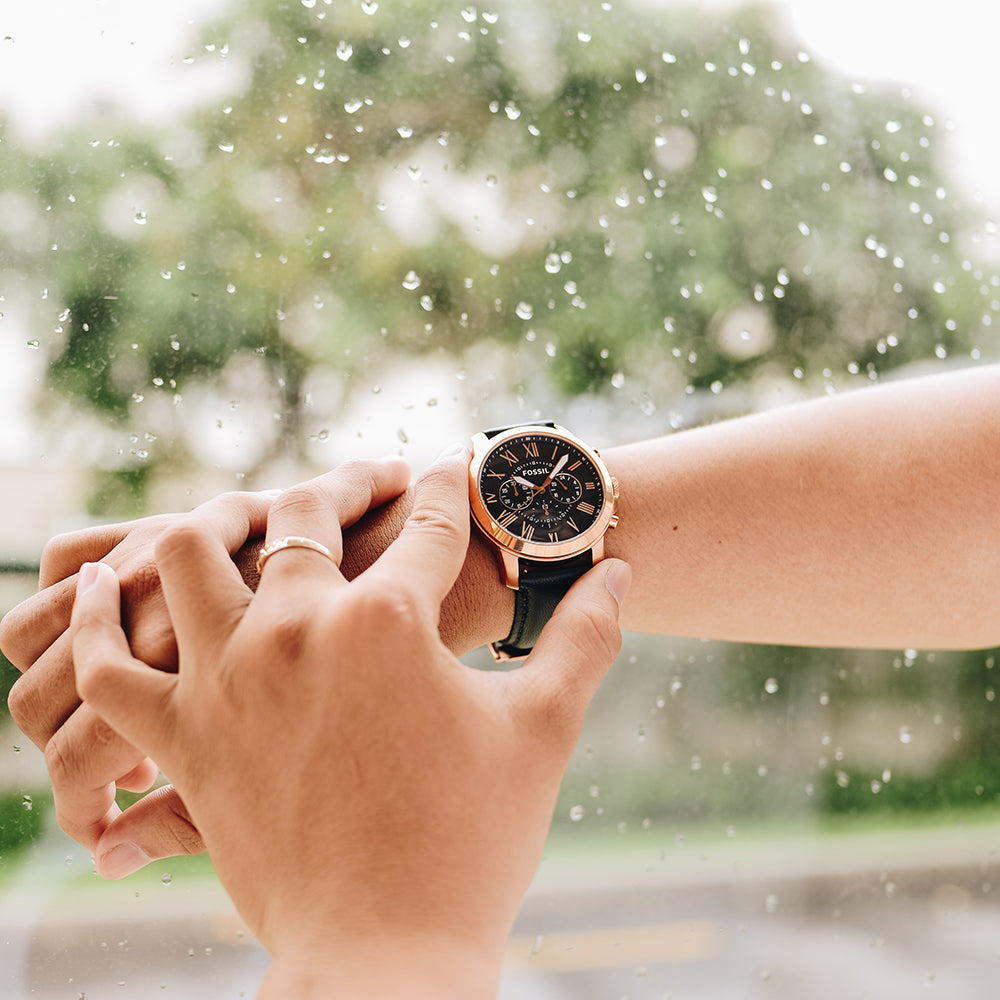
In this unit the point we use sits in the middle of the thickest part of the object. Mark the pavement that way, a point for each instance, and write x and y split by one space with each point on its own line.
886 916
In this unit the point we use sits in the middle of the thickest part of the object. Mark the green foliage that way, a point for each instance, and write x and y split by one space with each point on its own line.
687 205
957 785
8 675
22 817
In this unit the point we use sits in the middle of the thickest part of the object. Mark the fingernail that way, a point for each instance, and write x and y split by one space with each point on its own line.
87 578
453 451
121 861
618 580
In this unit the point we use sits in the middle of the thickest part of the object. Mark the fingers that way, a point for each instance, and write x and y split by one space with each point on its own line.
44 697
157 826
29 629
319 510
64 554
430 550
84 759
131 697
574 651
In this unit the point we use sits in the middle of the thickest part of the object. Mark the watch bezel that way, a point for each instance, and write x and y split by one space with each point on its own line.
482 446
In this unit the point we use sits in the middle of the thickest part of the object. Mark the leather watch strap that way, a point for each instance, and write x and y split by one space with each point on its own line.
541 586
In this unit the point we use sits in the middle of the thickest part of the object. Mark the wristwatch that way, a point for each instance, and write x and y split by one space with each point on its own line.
544 500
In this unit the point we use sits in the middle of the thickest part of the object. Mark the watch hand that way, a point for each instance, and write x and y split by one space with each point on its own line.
523 482
556 469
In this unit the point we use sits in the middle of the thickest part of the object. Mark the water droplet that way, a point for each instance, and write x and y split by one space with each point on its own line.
33 344
166 878
27 802
576 813
140 218
411 281
524 310
344 51
770 685
369 6
553 264
426 303
404 131
584 36
623 199
905 736
227 147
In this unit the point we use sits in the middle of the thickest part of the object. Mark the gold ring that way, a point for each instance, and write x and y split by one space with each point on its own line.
291 542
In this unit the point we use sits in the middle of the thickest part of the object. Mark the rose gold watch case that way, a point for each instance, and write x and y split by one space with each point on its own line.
510 547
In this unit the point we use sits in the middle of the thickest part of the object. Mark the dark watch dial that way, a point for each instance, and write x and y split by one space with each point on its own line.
541 488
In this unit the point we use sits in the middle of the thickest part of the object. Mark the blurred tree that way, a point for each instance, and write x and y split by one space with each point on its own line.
650 192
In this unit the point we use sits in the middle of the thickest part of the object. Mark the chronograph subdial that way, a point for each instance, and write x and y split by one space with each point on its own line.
565 489
516 493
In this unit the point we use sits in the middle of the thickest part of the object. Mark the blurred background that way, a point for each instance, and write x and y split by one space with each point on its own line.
242 242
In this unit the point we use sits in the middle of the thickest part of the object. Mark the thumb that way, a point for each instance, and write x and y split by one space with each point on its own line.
577 647
156 826
130 696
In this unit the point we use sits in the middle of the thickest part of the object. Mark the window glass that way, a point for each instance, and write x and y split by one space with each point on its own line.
242 242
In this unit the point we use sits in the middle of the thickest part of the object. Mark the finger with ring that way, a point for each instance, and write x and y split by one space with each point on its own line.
291 542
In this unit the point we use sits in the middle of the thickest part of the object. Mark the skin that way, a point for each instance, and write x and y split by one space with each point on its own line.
862 520
360 888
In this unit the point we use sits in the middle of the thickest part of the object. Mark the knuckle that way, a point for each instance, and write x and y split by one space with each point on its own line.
178 539
433 522
390 604
57 551
596 630
289 632
302 498
61 760
182 831
25 706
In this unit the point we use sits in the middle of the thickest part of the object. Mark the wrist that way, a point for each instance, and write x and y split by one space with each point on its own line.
413 967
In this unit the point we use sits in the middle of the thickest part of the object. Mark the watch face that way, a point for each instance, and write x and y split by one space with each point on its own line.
542 489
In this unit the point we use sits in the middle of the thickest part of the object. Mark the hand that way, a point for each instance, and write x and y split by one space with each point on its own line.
87 761
375 808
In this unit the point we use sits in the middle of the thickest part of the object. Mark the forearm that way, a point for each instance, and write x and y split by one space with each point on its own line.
871 519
